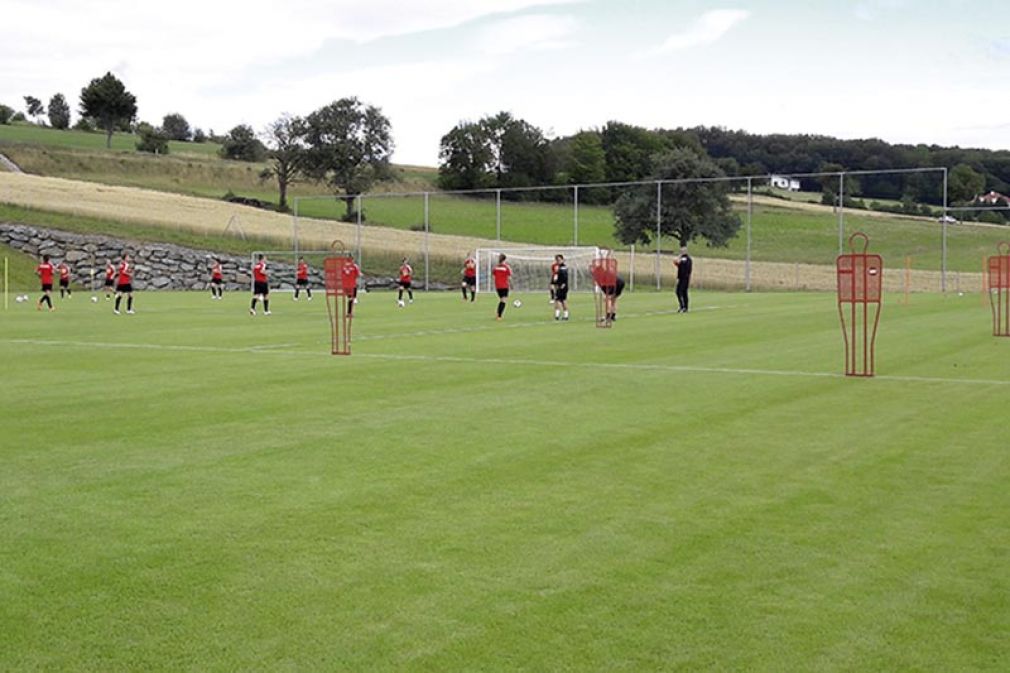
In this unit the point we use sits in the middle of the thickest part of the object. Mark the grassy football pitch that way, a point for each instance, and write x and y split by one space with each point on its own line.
193 488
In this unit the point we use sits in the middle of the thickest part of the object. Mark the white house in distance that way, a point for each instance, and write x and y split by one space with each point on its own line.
783 182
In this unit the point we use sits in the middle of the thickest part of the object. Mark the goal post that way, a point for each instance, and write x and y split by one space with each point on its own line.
531 267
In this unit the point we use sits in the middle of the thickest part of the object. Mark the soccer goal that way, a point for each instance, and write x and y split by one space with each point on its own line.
282 268
531 267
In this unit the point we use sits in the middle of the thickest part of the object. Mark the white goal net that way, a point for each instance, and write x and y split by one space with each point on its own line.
531 267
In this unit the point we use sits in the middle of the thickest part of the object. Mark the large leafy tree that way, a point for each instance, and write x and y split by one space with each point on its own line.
175 127
689 210
241 144
630 151
34 107
465 158
964 183
107 101
285 140
498 151
349 145
59 112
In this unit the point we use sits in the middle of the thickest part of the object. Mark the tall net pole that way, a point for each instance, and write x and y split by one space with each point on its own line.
426 230
943 243
841 213
659 234
750 217
575 224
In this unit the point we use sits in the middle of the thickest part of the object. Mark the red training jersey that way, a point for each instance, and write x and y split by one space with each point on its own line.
64 272
215 271
554 270
350 272
45 272
469 267
125 273
405 273
502 273
303 271
110 271
260 272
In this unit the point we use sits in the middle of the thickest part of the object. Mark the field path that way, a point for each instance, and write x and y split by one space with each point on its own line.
9 165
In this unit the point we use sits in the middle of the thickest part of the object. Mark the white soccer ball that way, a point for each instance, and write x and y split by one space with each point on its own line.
94 299
517 303
19 299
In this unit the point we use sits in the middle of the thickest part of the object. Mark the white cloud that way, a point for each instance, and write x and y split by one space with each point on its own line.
534 32
709 27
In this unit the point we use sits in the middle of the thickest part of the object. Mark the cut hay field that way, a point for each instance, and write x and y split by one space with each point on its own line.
192 488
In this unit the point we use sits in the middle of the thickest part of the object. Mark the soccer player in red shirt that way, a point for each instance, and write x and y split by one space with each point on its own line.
406 275
45 273
302 279
124 284
502 273
351 272
110 274
216 280
261 285
64 278
470 278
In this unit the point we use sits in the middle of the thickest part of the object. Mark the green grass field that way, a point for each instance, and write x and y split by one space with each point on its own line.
29 134
192 488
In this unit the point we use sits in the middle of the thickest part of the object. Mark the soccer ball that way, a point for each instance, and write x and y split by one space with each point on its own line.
517 303
19 299
94 299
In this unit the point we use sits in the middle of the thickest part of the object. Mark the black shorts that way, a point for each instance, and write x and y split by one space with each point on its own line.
614 290
261 287
124 287
302 282
64 282
47 287
561 293
503 292
405 284
216 281
470 281
108 282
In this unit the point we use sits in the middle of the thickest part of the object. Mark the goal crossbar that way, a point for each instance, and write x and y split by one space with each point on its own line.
531 266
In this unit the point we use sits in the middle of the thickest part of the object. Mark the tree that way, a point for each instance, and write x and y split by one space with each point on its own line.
6 113
241 144
109 104
499 151
199 136
630 150
348 147
465 158
153 140
34 107
964 183
175 127
59 112
689 210
286 151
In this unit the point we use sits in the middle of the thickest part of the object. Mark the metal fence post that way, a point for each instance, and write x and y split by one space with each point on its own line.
841 213
750 217
497 215
426 230
575 234
357 229
659 233
943 249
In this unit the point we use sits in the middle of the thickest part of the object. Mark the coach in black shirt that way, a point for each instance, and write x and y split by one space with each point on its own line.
683 263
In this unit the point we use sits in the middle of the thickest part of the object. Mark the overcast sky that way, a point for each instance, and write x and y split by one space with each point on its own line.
932 71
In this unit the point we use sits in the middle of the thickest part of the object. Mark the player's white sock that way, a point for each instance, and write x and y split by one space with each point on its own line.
557 314
566 315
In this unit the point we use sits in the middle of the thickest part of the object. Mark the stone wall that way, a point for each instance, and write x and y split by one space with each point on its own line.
158 266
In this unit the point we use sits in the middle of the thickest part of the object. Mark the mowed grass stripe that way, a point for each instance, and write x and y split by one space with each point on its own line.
215 510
